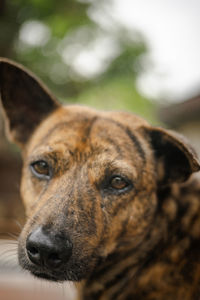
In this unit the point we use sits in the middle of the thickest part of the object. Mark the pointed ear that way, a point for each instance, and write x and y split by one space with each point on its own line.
25 101
175 159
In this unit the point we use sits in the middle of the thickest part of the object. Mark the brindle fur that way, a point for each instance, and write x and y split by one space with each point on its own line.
141 243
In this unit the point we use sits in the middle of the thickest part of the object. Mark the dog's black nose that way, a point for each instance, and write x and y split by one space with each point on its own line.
47 249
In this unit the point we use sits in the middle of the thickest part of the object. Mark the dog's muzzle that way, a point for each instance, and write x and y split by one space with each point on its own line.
47 249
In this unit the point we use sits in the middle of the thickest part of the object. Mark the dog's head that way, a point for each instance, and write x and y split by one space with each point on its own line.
90 179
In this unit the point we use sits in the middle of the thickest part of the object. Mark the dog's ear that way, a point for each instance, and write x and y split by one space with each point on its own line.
25 101
175 159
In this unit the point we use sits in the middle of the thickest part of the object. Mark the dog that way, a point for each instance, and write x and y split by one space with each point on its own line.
111 202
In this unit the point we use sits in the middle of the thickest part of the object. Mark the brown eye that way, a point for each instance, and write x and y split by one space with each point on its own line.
118 183
41 169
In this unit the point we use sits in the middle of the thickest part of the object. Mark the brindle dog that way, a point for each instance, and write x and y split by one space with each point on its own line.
110 200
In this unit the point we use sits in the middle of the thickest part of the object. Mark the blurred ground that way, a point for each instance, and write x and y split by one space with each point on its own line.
18 285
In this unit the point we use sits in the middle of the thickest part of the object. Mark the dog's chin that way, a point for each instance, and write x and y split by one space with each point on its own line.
56 277
71 272
47 277
75 269
50 275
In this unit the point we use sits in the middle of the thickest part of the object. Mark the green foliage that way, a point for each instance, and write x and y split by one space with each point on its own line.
50 36
118 94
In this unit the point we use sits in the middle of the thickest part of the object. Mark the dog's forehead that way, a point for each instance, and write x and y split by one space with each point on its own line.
75 124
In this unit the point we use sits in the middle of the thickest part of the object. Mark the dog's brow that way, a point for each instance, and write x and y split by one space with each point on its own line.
132 136
58 126
54 154
117 165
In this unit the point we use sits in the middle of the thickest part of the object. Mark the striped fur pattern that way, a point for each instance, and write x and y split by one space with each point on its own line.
134 237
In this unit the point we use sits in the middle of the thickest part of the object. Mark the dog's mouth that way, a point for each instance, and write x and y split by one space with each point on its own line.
48 277
74 270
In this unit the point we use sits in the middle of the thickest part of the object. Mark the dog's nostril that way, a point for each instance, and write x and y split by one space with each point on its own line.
33 250
33 253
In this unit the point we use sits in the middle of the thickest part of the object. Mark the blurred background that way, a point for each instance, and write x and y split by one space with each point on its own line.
136 55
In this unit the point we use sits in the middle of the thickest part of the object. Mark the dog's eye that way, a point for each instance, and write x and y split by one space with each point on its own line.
118 183
41 169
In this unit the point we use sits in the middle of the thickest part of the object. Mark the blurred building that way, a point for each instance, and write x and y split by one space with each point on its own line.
185 118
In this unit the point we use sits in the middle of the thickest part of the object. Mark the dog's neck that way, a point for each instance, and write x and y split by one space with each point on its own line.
129 272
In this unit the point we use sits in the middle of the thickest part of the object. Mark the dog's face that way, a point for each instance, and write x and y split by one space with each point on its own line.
90 179
92 185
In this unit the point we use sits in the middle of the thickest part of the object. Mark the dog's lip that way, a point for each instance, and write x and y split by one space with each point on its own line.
46 276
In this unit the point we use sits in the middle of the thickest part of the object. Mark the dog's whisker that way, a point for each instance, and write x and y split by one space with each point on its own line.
12 235
18 224
8 257
63 291
9 243
8 235
12 250
8 254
